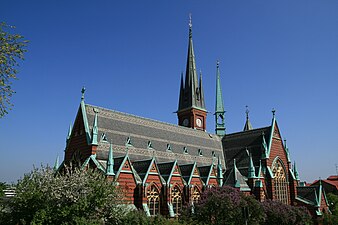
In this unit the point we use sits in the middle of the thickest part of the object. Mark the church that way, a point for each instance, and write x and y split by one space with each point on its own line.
160 166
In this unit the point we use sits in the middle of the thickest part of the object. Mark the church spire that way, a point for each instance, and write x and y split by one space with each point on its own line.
219 107
247 125
191 108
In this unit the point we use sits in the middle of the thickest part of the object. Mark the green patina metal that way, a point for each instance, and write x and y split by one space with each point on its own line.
192 173
56 164
219 107
95 130
69 134
273 124
264 147
251 169
84 117
287 151
259 174
295 171
110 162
219 172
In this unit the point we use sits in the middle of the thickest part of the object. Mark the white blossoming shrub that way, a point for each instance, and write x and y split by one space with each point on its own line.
73 197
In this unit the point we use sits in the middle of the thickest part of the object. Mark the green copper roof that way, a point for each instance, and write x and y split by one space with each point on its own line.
219 98
219 172
251 169
56 164
110 162
191 92
95 129
219 107
295 171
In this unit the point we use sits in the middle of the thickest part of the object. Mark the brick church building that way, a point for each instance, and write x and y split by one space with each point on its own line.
161 166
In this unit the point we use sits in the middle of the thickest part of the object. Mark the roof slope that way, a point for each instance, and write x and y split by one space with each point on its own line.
117 127
240 145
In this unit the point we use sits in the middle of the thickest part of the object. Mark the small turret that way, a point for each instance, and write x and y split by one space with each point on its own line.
110 162
219 107
247 125
95 129
251 169
219 172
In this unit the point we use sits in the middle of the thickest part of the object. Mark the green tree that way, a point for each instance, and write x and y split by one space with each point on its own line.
76 197
282 214
3 186
333 205
12 49
224 205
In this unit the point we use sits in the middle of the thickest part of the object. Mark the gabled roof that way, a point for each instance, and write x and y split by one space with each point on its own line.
167 170
205 173
144 167
188 170
240 145
312 195
118 127
234 178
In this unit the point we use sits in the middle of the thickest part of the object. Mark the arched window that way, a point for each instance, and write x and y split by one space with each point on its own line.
196 194
280 182
176 200
153 200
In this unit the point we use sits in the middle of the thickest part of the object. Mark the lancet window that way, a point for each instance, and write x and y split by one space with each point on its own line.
153 200
176 200
196 195
280 182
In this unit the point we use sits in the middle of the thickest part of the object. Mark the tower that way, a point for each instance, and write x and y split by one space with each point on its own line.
191 108
219 107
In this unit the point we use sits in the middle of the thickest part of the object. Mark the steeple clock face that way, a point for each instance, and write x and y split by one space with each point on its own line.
199 122
185 122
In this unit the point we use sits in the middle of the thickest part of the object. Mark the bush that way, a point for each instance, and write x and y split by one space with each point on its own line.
224 205
76 197
282 214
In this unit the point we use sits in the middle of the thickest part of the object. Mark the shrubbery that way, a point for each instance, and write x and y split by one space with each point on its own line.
76 197
86 197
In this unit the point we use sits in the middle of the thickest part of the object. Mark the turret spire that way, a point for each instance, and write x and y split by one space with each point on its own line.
219 172
247 125
95 128
251 169
110 162
56 164
219 107
295 171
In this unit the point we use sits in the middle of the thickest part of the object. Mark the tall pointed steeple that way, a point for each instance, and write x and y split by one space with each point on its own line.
219 107
191 108
247 125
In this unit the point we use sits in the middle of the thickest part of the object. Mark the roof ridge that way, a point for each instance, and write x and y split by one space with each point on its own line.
153 120
248 131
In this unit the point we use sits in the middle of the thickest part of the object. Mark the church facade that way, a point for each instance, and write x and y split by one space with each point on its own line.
160 166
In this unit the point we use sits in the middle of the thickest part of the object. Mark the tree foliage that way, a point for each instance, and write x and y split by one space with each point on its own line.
282 214
12 49
225 205
76 197
333 205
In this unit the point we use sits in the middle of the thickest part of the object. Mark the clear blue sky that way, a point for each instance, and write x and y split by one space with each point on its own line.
130 54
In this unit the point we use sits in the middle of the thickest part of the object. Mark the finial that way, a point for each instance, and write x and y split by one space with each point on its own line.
247 112
217 63
190 21
273 112
83 92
